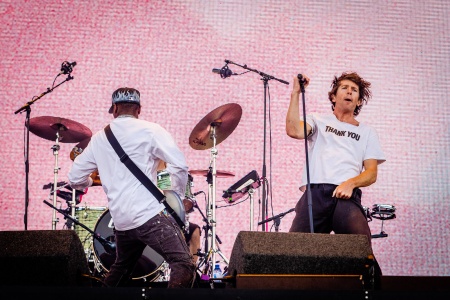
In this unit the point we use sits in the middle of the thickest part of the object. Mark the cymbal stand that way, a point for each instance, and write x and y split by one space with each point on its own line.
203 261
55 149
250 192
211 206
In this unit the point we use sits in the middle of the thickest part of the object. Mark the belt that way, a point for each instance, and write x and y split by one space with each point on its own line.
318 185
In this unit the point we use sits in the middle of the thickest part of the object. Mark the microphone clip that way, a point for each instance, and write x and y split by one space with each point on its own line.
67 67
225 72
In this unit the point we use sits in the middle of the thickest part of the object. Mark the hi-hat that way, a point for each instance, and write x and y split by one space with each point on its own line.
224 118
69 131
205 173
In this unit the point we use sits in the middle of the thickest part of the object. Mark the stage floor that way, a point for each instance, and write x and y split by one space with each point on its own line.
393 287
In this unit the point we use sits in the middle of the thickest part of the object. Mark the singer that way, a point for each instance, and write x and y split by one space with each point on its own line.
344 155
140 220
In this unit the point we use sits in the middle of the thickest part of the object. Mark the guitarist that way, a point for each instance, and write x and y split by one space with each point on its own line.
140 219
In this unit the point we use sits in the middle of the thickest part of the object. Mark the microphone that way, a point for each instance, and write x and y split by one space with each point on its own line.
224 72
302 81
67 67
197 193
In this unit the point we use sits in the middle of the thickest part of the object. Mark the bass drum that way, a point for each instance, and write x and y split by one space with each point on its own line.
149 267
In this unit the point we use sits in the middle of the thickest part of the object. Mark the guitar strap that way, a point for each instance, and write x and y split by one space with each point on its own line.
141 175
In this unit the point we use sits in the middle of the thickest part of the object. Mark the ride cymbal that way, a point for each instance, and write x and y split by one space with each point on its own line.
224 118
69 131
218 173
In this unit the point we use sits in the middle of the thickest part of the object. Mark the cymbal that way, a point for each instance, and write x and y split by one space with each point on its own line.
224 118
70 131
205 173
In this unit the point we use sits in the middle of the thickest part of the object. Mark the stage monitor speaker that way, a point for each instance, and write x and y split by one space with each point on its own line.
42 258
300 253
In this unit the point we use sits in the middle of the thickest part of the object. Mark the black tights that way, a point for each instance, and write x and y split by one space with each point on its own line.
342 216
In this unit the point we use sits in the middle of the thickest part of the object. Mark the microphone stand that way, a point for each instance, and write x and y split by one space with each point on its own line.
277 219
265 78
110 247
308 185
27 107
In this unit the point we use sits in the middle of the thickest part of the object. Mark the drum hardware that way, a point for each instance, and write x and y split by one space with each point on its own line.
212 129
60 130
205 256
246 185
382 212
71 196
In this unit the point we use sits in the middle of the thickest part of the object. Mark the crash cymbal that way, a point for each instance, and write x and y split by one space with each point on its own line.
70 131
205 173
225 118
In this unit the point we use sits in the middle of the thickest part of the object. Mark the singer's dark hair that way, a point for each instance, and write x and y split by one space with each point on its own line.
364 89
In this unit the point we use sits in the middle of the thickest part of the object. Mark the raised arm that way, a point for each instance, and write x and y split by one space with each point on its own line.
294 127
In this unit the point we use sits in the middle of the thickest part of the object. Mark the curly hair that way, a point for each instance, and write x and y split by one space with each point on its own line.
364 89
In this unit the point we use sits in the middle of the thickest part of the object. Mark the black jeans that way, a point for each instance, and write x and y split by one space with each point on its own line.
162 234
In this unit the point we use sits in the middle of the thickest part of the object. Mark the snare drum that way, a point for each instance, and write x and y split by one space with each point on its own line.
149 266
383 211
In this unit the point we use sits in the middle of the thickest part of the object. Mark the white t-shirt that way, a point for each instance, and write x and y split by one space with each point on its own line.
337 150
130 203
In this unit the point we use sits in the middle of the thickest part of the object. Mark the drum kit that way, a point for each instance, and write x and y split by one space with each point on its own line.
94 225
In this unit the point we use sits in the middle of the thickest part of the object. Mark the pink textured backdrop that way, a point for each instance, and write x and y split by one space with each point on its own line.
167 49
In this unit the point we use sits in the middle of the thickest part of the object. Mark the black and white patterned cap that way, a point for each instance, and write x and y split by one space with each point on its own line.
125 94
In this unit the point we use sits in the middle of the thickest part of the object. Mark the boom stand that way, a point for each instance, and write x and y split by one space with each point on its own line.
265 78
110 247
211 207
27 107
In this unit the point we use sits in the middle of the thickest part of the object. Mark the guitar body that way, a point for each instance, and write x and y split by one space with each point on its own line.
177 205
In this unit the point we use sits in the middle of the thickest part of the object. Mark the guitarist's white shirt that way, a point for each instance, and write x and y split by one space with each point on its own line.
146 143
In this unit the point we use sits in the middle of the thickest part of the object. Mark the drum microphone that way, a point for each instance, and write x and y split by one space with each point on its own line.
67 67
197 193
224 72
